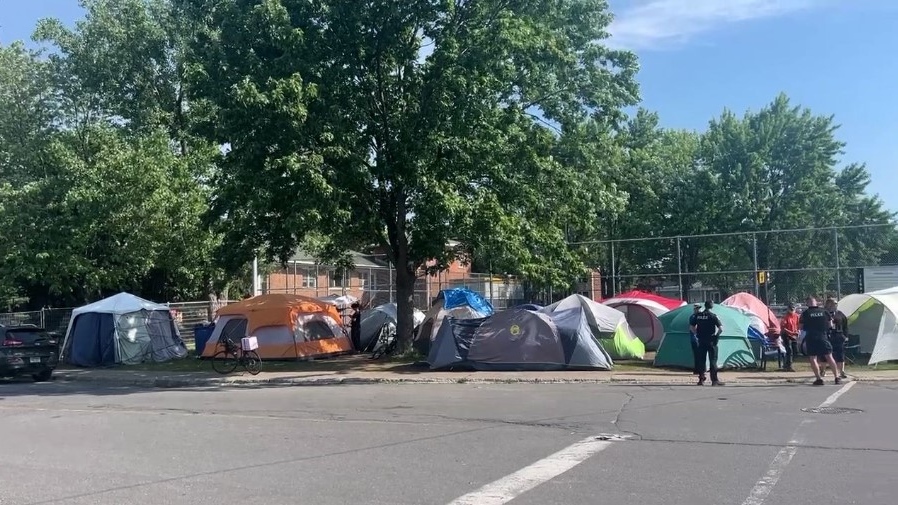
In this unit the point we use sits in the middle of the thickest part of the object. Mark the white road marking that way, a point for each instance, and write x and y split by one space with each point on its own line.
762 489
835 396
510 487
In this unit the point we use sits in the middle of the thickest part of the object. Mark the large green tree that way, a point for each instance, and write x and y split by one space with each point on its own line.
407 124
778 169
104 188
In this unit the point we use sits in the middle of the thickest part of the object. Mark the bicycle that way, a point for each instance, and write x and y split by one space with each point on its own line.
232 356
386 342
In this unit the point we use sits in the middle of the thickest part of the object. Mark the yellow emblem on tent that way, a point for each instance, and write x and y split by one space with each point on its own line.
515 330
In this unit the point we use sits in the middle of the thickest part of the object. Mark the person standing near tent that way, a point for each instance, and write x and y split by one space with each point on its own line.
355 326
789 334
693 338
837 336
708 329
816 324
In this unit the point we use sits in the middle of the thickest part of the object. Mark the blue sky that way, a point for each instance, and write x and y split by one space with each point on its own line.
701 56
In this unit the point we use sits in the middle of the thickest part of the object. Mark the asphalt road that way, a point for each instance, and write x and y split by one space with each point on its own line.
444 444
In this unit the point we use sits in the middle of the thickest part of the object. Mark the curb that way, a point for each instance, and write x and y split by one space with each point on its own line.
173 383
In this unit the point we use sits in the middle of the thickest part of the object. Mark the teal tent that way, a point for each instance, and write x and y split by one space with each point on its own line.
734 349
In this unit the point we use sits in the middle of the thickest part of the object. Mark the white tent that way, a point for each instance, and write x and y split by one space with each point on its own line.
874 317
609 326
121 329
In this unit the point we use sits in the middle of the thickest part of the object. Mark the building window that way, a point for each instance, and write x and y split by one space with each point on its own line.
309 278
337 278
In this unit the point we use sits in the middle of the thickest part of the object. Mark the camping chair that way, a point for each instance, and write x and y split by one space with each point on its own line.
770 348
852 349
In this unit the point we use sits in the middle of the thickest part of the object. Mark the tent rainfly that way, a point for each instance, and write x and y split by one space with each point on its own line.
762 318
519 339
121 329
286 326
874 318
733 351
642 311
375 320
609 326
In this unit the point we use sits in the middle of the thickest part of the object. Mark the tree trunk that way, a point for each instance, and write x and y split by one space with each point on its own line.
405 307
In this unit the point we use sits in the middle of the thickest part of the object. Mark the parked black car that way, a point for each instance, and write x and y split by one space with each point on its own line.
28 350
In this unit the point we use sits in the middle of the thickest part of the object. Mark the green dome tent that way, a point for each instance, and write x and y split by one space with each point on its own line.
734 350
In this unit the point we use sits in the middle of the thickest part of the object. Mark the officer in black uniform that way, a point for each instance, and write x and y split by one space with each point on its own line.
817 324
698 368
707 329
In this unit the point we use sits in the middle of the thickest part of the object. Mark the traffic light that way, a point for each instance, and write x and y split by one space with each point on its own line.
762 277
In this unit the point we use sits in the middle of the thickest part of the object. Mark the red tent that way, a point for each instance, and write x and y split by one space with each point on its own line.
642 310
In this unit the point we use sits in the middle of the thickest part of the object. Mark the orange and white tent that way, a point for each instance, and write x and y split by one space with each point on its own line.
286 326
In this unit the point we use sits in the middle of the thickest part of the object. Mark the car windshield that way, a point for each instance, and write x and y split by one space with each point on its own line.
28 336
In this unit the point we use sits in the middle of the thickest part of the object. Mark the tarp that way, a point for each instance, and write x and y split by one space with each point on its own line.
121 329
762 318
734 349
609 326
874 318
517 339
458 303
463 297
286 327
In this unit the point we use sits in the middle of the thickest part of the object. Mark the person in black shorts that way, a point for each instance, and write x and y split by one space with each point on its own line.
837 336
816 324
707 329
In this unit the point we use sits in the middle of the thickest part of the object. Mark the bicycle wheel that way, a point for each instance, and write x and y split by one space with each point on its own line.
224 362
252 362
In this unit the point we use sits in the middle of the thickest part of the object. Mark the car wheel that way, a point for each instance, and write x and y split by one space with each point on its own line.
43 376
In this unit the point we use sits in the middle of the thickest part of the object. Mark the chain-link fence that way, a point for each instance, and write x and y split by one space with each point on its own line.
777 265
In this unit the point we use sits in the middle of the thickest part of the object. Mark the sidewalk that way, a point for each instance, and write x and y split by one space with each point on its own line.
159 379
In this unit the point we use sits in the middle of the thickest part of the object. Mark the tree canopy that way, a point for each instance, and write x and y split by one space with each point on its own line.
405 125
157 146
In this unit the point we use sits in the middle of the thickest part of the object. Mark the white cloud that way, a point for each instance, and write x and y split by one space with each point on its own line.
653 24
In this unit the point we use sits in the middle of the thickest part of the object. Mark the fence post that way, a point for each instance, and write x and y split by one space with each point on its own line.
613 271
390 267
838 265
754 237
680 270
43 318
491 284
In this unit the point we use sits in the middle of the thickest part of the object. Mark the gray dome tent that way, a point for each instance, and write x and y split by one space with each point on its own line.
519 339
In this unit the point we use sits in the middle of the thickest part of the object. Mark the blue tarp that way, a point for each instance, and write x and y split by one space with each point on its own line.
460 297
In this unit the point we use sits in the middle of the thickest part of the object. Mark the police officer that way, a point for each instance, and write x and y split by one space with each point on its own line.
707 329
697 367
817 324
837 336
